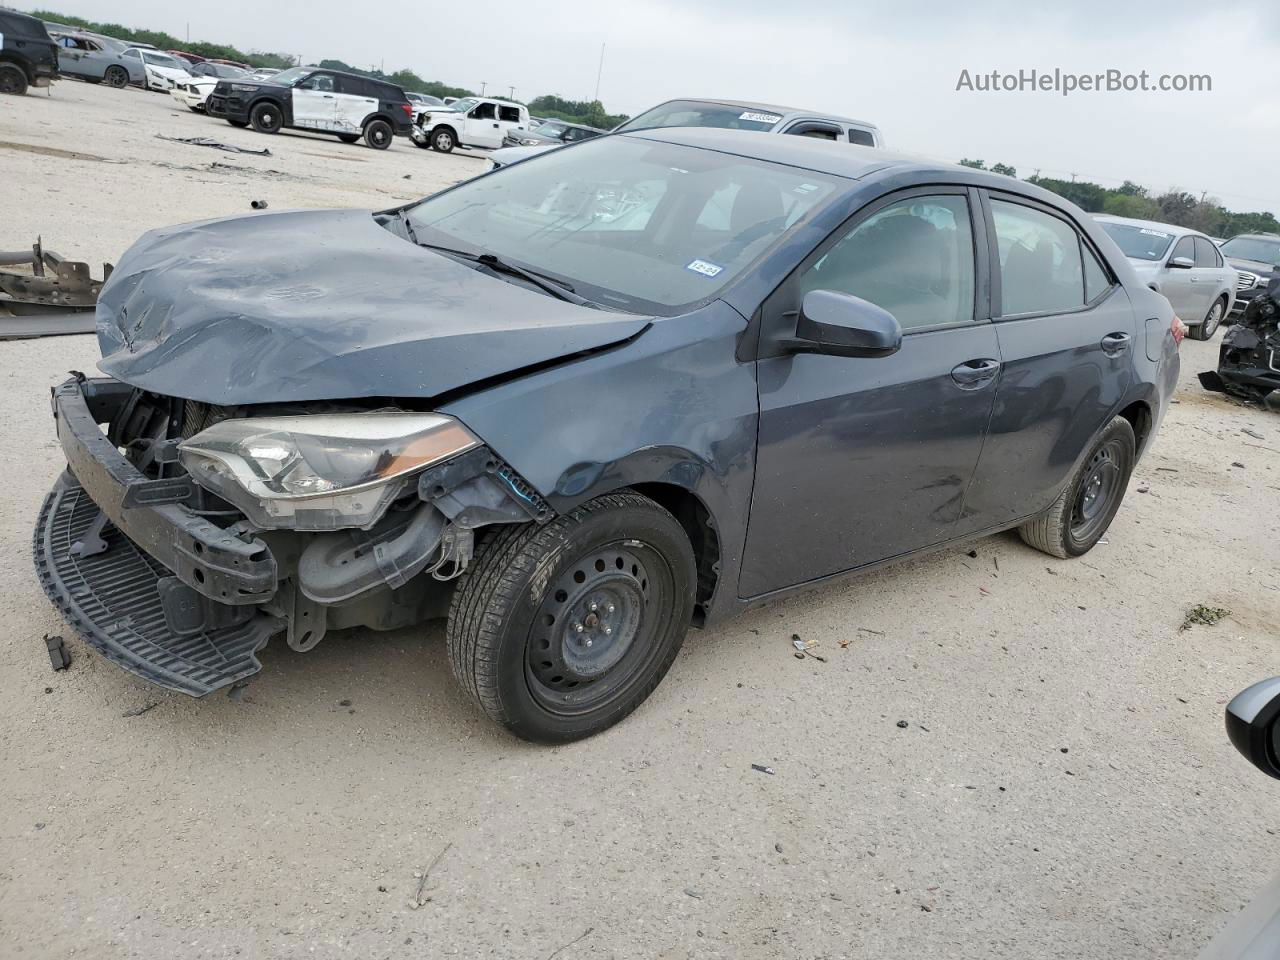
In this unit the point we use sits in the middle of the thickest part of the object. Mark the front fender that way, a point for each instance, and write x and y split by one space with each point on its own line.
671 406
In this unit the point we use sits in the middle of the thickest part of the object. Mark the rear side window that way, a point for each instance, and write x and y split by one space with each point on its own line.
1206 253
810 128
1096 280
864 138
509 114
1041 270
914 258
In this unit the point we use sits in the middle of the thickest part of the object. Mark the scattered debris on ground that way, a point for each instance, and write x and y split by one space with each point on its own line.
805 648
1252 433
578 939
902 724
59 655
139 711
258 204
1204 616
418 900
762 768
216 144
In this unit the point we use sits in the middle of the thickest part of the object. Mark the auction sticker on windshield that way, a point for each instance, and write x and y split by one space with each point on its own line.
760 117
1156 233
704 267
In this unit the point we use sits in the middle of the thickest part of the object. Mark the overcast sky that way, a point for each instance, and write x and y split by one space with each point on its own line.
894 63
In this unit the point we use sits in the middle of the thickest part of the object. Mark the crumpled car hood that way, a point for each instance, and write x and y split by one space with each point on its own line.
323 305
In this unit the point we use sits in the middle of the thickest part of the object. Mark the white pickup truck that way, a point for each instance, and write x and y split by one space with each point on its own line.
469 122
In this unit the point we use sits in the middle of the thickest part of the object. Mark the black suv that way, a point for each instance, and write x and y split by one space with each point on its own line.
307 98
28 57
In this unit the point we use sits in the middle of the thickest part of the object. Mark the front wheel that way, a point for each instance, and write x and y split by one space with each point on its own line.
266 118
561 630
1212 320
378 134
117 77
1085 508
443 140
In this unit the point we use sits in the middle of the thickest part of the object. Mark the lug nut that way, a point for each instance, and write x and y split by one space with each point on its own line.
609 608
608 631
594 606
588 643
578 627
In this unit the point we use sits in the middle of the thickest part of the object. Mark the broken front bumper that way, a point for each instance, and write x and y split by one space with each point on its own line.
155 587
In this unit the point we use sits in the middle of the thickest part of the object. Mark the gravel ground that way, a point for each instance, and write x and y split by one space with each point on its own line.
1063 787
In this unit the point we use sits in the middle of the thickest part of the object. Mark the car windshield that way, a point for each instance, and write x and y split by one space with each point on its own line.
291 76
1261 249
1139 243
629 223
552 129
163 60
464 105
696 113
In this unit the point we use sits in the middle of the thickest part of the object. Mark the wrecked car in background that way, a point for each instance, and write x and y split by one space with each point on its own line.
88 58
1249 360
1255 256
578 380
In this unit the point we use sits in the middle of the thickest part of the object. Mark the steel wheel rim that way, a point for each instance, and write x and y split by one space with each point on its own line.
444 141
8 81
1097 493
117 77
577 658
379 135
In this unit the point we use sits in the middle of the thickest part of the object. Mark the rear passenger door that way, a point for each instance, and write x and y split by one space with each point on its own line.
355 101
1067 335
508 120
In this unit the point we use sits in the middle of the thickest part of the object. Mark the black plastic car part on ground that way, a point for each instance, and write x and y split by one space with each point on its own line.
28 56
583 403
1249 358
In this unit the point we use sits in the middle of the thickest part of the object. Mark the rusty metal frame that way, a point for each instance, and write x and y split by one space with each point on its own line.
54 281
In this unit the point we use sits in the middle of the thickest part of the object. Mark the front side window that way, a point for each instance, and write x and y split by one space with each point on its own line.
1186 250
1040 266
1206 253
321 82
486 111
291 76
914 258
643 226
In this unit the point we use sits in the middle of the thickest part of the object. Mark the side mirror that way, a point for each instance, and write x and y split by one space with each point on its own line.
842 325
1253 725
1181 263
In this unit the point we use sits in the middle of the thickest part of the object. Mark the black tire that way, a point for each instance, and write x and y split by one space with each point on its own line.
195 109
1207 327
241 124
12 79
443 139
349 137
378 134
266 117
561 630
1087 505
117 77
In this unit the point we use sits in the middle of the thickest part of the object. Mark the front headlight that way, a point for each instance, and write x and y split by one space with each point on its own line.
323 471
529 142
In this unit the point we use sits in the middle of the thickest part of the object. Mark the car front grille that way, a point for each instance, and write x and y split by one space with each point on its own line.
1245 280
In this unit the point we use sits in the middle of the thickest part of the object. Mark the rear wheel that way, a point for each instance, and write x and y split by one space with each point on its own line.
266 118
442 139
12 79
561 630
1212 320
378 134
348 137
1085 508
117 77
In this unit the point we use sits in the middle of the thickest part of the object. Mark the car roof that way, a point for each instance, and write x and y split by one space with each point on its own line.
776 108
1169 228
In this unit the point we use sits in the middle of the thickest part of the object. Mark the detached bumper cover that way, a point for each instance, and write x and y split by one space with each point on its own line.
171 598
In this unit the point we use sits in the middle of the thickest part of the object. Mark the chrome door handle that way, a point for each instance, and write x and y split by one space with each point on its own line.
974 373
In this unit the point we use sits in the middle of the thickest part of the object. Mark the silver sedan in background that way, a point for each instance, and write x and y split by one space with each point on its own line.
1185 265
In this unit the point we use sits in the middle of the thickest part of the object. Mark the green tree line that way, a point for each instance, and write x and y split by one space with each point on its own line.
1183 209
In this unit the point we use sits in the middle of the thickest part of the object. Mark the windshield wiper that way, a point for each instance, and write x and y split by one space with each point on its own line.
559 289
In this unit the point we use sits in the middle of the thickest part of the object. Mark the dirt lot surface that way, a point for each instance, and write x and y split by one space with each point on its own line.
1063 787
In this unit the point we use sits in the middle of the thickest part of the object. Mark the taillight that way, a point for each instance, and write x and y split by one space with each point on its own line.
1178 329
407 108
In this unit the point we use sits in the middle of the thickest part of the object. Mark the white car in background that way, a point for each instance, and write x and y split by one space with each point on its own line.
469 122
162 70
192 93
1185 265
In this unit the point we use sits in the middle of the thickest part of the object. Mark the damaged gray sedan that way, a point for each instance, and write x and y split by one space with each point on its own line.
579 405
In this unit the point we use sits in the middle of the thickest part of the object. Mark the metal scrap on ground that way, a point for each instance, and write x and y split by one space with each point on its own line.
217 144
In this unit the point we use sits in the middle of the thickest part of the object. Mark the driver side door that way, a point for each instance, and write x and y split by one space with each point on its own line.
1176 283
864 459
482 129
315 103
